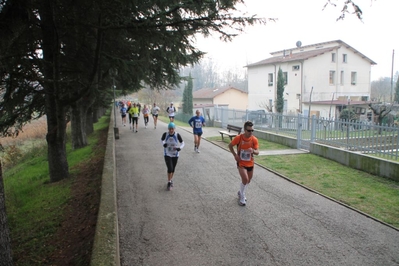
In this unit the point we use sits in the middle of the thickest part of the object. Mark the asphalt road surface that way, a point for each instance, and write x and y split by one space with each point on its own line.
200 222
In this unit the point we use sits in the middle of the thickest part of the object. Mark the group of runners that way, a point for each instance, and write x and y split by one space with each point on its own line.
133 110
243 147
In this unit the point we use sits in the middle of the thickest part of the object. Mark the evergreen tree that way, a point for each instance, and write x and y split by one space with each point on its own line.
396 98
57 55
280 91
188 96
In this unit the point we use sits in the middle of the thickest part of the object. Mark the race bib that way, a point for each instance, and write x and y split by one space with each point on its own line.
245 155
171 149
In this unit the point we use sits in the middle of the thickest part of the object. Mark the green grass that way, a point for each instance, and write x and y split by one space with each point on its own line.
35 206
376 196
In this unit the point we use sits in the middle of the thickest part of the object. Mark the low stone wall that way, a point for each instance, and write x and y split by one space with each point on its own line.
106 240
366 163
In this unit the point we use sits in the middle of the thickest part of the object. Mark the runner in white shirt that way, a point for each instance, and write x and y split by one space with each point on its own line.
172 143
171 111
154 111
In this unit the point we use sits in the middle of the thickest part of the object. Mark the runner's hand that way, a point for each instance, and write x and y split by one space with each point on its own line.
165 145
178 149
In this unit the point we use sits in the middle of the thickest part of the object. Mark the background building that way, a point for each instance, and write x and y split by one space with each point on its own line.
322 78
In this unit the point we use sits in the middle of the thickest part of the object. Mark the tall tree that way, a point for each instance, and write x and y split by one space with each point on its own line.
188 96
280 91
53 53
396 98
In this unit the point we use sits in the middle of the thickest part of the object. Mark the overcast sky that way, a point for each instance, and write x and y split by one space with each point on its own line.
304 20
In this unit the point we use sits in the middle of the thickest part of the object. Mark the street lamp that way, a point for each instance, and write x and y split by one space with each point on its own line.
114 72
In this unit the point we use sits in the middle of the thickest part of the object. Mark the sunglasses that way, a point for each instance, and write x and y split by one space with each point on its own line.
250 130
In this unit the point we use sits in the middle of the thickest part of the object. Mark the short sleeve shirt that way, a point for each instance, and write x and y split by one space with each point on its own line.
244 144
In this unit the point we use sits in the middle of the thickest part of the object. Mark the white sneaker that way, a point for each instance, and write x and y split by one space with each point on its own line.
239 196
198 150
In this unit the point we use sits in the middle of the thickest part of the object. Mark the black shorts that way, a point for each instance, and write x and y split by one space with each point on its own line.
249 169
154 115
199 134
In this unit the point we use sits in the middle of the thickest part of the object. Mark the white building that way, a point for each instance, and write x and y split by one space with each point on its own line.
324 77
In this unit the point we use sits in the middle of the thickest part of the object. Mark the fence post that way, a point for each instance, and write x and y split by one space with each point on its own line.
299 132
313 129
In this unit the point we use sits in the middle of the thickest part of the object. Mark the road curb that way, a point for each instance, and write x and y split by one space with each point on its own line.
106 241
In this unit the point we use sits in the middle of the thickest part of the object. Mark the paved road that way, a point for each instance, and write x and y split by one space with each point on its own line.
200 222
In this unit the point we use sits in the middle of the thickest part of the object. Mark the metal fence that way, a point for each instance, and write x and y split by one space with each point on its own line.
358 136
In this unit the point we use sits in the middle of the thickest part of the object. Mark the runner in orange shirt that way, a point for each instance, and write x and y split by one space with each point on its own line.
247 145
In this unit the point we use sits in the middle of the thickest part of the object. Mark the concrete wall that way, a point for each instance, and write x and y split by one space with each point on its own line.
106 240
368 164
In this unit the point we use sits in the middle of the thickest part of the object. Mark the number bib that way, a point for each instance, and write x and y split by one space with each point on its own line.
245 155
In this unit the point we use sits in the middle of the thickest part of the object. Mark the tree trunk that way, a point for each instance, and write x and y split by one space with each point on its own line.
96 113
55 111
89 121
78 125
5 241
56 142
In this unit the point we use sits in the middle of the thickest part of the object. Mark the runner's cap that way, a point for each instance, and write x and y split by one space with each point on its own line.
171 125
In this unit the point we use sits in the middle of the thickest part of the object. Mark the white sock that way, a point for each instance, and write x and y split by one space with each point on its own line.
242 190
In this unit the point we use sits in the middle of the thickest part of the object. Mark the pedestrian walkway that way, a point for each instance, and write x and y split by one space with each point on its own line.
200 222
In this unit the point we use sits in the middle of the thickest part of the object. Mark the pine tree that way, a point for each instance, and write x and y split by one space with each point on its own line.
396 98
280 91
188 96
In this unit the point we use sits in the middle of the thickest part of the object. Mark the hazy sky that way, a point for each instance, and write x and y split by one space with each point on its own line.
304 20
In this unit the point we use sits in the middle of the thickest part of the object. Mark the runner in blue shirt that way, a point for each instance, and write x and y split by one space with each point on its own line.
197 122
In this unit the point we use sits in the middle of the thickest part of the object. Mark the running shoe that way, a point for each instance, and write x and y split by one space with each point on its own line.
239 196
241 203
169 187
198 150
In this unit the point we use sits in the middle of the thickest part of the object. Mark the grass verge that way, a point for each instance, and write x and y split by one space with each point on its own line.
44 217
374 195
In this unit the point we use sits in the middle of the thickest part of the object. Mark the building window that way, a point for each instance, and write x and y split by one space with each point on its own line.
295 68
353 78
333 57
332 77
345 58
342 78
270 79
285 75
